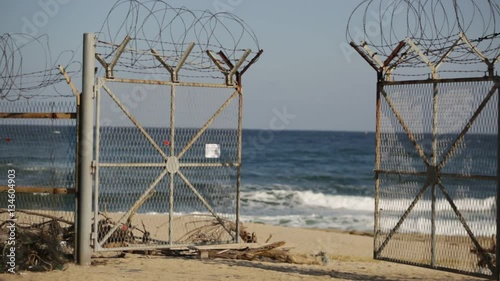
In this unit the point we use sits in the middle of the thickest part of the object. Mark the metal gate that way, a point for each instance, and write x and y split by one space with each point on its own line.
437 163
436 174
167 156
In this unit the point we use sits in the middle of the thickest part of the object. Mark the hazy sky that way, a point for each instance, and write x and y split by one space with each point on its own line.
306 68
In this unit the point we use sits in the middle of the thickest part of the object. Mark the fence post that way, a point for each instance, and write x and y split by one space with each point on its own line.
376 213
85 152
497 234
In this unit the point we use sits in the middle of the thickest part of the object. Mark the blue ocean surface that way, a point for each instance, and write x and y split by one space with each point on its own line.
309 179
318 179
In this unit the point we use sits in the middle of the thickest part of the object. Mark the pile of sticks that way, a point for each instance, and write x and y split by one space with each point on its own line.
41 246
123 235
49 245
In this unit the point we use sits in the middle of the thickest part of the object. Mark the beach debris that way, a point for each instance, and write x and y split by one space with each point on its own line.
489 253
272 252
269 238
123 235
325 260
49 245
41 246
213 230
122 231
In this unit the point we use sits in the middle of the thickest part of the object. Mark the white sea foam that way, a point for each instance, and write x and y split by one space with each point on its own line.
343 222
443 226
359 203
313 209
441 205
308 199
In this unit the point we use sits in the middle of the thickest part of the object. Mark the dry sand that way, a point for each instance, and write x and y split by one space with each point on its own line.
350 259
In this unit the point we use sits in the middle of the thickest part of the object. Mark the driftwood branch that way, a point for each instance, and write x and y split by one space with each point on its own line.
211 231
269 252
2 210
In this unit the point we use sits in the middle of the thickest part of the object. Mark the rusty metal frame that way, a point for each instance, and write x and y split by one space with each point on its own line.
109 67
174 71
171 165
433 174
37 189
434 168
168 162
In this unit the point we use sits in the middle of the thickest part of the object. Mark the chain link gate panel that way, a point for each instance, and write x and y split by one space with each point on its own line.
187 168
167 153
436 174
38 140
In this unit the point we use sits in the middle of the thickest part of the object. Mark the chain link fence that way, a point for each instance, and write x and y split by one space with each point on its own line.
167 165
37 193
437 175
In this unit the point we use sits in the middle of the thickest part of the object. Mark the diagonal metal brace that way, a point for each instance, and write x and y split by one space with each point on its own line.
401 220
490 64
117 56
394 53
70 83
252 61
103 62
138 203
365 56
390 68
462 220
204 202
424 58
375 62
183 59
134 120
467 126
174 72
433 66
119 51
217 62
164 63
407 130
206 125
233 69
239 74
372 54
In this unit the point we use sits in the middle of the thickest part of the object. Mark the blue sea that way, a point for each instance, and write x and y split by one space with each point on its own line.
317 179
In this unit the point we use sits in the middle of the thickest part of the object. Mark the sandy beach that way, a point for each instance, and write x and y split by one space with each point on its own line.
349 258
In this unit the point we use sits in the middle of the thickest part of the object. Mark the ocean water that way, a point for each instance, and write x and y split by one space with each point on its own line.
315 179
310 179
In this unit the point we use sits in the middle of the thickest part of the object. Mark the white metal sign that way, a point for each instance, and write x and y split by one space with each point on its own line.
212 150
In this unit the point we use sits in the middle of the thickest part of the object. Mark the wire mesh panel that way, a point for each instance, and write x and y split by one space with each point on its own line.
37 147
167 165
168 144
437 144
436 174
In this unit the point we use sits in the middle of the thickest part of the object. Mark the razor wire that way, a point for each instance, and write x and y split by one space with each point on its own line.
27 67
155 26
149 44
464 34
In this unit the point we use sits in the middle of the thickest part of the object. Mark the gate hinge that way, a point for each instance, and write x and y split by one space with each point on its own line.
93 166
93 242
94 92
